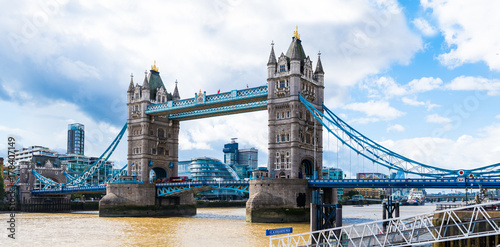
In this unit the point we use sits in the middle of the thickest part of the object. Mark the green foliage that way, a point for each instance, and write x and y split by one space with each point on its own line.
352 193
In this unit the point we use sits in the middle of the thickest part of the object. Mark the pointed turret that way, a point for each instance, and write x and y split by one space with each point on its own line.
176 95
131 85
295 51
272 57
145 83
319 66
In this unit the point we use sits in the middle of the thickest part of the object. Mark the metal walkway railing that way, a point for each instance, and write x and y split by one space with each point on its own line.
440 226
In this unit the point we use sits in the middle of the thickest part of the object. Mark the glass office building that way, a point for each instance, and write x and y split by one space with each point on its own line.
243 161
210 169
76 139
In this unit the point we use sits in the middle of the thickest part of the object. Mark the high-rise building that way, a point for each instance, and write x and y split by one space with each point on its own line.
243 161
76 139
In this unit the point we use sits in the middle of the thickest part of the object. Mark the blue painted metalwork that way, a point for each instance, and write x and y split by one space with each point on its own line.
236 101
115 176
167 189
71 190
89 172
220 110
369 149
406 183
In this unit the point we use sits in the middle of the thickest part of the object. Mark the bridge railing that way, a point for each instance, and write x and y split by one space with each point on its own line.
439 226
409 183
248 93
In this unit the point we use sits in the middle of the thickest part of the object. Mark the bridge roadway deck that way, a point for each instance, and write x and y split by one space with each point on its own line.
202 106
169 188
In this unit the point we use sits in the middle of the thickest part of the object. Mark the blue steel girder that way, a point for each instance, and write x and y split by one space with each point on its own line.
457 183
199 105
71 190
221 110
168 189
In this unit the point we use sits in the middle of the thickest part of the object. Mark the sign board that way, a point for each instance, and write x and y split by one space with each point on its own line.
278 231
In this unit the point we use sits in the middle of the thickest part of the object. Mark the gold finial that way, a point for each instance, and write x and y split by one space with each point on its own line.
296 32
200 92
154 68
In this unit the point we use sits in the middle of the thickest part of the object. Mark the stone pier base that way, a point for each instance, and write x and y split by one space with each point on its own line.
139 200
278 200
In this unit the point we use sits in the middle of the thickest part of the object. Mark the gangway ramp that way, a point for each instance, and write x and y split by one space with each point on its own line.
440 226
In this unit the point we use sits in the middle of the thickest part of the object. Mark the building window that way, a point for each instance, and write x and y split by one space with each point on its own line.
287 137
160 151
282 137
282 84
153 151
282 68
282 158
277 154
277 115
277 138
283 115
161 133
288 114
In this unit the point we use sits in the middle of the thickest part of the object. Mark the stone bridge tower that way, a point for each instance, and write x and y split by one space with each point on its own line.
295 136
152 140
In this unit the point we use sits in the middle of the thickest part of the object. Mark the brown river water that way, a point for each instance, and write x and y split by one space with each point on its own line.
210 227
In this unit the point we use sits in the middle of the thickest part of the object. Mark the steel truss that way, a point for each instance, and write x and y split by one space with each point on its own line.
168 189
378 154
81 180
439 226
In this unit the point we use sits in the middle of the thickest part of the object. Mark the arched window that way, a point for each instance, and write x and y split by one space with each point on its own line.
161 133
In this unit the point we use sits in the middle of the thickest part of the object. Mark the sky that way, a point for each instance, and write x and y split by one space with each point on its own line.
421 78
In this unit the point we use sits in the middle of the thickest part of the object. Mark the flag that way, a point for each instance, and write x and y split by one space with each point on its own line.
218 92
247 85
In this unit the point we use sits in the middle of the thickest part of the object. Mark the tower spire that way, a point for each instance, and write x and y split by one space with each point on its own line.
175 95
319 66
272 57
296 33
145 83
131 85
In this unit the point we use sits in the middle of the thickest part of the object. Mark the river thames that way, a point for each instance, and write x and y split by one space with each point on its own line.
210 227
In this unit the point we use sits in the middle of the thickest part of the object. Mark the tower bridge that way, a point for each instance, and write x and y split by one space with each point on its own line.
293 98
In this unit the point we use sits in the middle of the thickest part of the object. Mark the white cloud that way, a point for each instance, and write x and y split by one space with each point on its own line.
47 125
396 128
466 152
383 87
424 27
497 116
424 84
435 118
475 83
380 109
467 29
414 102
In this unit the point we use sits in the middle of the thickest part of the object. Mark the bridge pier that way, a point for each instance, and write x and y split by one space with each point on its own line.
278 201
139 200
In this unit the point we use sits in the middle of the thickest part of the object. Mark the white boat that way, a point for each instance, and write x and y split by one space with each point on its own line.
416 197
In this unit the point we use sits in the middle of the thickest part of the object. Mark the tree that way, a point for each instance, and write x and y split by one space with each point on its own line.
352 193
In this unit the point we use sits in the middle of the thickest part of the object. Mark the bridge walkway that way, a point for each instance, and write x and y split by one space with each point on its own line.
439 226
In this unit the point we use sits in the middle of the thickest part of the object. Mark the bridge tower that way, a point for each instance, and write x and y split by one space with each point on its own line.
295 137
152 146
152 140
